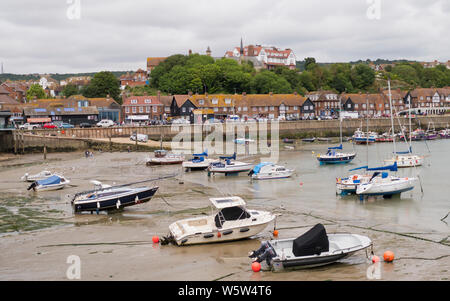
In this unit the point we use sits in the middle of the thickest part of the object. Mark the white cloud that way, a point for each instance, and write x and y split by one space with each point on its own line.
37 36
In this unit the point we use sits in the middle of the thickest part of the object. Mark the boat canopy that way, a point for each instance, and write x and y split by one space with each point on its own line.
258 167
49 181
227 202
313 242
231 157
337 147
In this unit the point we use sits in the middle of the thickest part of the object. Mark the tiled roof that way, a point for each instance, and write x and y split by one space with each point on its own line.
33 111
5 99
155 61
141 100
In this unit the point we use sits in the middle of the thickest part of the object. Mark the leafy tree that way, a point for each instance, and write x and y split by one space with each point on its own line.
362 76
310 63
102 84
266 81
70 90
37 91
406 73
307 81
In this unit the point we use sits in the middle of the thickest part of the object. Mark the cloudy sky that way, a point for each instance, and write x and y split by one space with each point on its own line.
63 36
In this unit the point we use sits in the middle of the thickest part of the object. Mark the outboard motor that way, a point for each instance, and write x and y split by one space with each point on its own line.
32 186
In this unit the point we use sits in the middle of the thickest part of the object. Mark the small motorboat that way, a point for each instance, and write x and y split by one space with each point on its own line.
45 174
348 185
312 249
228 165
360 137
106 197
445 134
233 221
405 159
243 141
310 140
198 162
324 139
54 182
334 157
267 170
288 141
162 157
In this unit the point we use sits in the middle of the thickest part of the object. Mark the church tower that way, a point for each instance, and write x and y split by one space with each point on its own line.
208 51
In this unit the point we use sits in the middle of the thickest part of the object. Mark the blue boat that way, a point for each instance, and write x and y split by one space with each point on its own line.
333 157
54 182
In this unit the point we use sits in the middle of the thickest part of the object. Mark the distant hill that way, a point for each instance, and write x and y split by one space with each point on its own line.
301 64
56 76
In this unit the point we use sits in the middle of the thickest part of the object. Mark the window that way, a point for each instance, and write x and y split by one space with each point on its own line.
134 109
295 108
184 110
166 109
225 109
356 105
147 109
127 109
255 109
349 106
245 109
272 108
141 109
228 101
239 109
155 109
216 109
364 106
148 101
201 101
215 101
134 101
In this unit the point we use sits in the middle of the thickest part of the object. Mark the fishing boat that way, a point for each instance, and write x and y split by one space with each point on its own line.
310 140
314 248
232 221
198 162
267 170
106 197
54 182
228 165
45 174
385 137
382 184
333 157
445 134
360 137
288 141
162 157
431 133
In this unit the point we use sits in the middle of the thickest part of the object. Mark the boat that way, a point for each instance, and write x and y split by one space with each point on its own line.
314 248
385 137
333 157
228 165
324 139
348 185
418 134
106 197
288 141
54 182
382 184
431 133
243 141
198 162
309 140
232 221
445 134
267 170
45 174
360 137
162 157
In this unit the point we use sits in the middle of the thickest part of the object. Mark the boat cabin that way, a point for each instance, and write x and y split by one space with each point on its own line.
230 209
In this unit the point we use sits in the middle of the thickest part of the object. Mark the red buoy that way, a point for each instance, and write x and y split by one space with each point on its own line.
155 239
388 256
256 266
218 234
275 232
375 258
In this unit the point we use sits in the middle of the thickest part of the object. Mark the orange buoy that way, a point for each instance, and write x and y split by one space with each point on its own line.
218 234
301 183
256 266
388 256
275 232
375 258
155 239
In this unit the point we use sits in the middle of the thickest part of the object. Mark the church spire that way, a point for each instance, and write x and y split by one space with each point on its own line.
242 47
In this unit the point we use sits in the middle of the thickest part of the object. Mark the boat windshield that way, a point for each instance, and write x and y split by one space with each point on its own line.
230 214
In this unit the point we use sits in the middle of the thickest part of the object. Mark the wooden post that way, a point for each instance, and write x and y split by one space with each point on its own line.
136 140
45 152
23 143
110 144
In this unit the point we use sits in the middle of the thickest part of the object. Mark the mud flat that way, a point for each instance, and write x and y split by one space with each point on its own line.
39 231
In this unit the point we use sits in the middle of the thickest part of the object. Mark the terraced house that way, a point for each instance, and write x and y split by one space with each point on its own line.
142 108
326 103
429 100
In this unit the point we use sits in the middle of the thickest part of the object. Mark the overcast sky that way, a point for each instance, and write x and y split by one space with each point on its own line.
53 36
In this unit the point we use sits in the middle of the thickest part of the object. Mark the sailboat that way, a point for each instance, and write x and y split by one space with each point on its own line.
404 158
334 157
198 162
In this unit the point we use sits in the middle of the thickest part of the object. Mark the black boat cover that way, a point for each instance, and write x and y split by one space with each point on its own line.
315 241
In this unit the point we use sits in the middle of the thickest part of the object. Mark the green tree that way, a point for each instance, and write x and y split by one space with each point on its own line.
102 84
70 90
266 81
407 73
35 90
362 76
310 63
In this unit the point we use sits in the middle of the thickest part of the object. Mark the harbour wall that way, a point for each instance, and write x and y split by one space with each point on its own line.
86 138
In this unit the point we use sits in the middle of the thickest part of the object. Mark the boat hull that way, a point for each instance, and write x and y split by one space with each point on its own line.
406 161
272 176
115 202
336 160
230 168
385 189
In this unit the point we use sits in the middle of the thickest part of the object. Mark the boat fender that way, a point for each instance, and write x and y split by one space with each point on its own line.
244 230
219 234
118 204
98 205
208 235
227 232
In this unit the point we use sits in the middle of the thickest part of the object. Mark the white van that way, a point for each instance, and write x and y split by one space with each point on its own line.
105 123
140 137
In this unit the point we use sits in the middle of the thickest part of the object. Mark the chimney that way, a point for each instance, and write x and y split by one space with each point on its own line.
190 93
190 51
271 93
244 93
107 95
206 94
295 93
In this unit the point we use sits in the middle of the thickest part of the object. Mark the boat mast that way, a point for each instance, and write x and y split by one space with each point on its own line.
367 122
392 117
410 129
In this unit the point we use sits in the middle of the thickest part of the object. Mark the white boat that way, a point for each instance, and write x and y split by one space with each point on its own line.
349 184
267 170
162 157
45 174
406 160
228 165
54 182
360 137
233 221
198 162
243 141
312 249
385 185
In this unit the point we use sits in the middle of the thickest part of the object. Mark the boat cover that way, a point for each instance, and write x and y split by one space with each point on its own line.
198 159
49 181
315 241
404 153
337 147
231 157
258 167
204 154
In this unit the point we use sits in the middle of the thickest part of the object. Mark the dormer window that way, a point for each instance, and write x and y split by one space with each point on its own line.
227 101
134 101
148 101
201 101
214 101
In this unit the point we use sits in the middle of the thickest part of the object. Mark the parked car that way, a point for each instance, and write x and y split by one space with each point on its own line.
29 126
140 137
180 121
85 125
105 123
50 125
64 125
